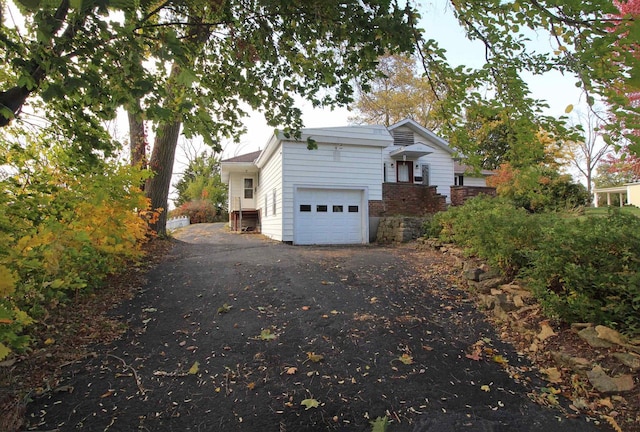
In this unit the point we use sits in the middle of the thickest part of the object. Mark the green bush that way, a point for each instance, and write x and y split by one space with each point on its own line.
492 229
580 269
589 270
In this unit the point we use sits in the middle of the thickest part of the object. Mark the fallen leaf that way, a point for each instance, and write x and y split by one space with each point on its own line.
108 393
310 403
380 424
251 385
406 359
150 310
194 368
373 300
305 308
545 331
224 309
485 388
500 360
315 357
553 375
292 370
49 341
266 335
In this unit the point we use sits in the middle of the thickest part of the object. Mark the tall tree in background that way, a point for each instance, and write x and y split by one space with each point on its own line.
397 93
587 152
201 181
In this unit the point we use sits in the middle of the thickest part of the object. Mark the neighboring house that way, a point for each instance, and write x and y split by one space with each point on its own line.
627 194
336 193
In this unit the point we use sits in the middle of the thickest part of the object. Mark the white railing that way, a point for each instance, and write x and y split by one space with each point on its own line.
177 222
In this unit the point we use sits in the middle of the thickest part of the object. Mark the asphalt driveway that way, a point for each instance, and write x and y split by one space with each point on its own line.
235 332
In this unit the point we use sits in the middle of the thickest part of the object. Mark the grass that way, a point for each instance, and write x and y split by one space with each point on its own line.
603 211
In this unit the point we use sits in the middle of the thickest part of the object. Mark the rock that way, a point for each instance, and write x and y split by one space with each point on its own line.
579 326
610 335
473 274
518 301
566 360
499 313
606 384
496 291
590 336
628 359
503 301
488 284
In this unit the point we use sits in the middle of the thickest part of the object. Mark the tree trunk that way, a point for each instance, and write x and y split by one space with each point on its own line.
137 139
161 163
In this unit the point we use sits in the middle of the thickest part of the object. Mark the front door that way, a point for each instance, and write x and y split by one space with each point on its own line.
405 171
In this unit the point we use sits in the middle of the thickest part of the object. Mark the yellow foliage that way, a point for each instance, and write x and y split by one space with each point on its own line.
7 281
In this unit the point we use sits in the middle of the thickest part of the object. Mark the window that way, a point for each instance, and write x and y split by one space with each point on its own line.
459 180
248 188
266 207
305 207
273 203
404 171
353 209
321 208
337 209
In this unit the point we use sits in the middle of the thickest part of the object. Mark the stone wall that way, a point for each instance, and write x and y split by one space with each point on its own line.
399 229
459 194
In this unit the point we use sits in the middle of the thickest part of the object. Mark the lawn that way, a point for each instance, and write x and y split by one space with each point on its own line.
602 211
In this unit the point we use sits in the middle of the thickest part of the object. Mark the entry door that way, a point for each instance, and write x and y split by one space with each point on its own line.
405 171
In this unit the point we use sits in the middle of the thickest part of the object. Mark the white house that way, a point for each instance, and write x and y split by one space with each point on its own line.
628 193
334 193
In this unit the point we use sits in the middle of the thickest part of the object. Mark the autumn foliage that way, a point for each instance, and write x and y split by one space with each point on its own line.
61 232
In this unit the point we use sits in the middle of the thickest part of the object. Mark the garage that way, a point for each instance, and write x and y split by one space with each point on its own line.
330 216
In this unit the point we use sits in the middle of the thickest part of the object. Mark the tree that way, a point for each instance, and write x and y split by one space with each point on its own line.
201 181
588 152
618 169
204 64
397 93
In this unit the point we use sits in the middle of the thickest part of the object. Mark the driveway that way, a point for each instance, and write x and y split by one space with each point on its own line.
235 332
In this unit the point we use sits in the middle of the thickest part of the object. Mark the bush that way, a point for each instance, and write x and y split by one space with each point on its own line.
492 229
60 232
580 269
200 211
589 270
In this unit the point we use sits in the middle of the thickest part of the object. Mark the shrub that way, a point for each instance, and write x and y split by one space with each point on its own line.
492 229
61 232
589 270
200 211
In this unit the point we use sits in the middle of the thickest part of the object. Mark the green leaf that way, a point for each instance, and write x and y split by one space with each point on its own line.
266 335
380 424
310 403
4 351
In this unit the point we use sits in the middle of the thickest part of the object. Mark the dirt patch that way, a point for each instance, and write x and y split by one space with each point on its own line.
243 334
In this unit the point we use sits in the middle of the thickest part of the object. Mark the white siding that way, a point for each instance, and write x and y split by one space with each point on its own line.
270 179
330 165
236 190
474 181
440 165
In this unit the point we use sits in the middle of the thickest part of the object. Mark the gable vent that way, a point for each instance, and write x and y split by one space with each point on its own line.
402 138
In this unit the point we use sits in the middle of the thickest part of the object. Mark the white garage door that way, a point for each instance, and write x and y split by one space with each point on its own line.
329 216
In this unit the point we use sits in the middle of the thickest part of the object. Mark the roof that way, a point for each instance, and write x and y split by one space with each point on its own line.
462 169
247 157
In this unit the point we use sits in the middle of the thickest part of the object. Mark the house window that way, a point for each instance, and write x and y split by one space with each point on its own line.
273 203
353 209
304 208
459 180
248 188
321 208
337 209
266 207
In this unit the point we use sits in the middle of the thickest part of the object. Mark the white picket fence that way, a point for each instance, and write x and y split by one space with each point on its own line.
177 222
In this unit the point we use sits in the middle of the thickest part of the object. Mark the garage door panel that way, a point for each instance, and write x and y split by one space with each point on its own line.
325 216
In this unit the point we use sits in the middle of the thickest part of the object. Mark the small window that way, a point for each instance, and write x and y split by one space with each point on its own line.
459 180
337 209
266 208
273 203
353 209
248 188
305 207
321 208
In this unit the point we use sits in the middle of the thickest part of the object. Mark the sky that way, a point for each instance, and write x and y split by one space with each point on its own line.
439 23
